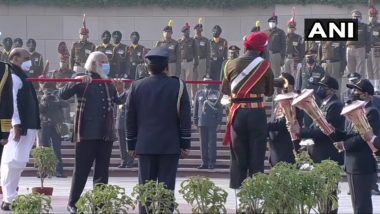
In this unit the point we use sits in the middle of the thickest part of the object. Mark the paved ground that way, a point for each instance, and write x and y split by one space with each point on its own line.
62 189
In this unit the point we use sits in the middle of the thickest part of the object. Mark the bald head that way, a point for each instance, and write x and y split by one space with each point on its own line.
18 56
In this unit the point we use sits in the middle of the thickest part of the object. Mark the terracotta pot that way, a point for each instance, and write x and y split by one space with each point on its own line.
1 190
45 190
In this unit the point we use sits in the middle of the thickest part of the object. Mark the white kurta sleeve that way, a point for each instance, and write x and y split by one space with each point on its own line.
17 85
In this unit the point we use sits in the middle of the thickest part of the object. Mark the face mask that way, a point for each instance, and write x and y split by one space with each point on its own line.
106 68
135 39
272 25
310 61
322 93
355 96
106 39
25 66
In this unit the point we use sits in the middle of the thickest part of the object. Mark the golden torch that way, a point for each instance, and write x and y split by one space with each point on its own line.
356 113
306 102
285 103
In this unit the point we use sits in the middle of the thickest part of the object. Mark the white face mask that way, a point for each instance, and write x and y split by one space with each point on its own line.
25 66
272 25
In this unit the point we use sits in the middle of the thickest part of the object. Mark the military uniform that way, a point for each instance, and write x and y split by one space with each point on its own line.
294 52
310 76
374 58
189 56
37 64
312 45
203 46
5 56
79 53
136 54
108 50
7 44
276 48
174 57
247 137
208 113
120 63
218 53
332 58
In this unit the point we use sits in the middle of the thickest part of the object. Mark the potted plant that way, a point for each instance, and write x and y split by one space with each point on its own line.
203 195
105 198
46 163
155 198
252 194
32 203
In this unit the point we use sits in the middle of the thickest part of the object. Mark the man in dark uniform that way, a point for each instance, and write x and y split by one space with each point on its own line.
358 51
233 53
347 94
208 113
7 43
120 56
276 46
18 43
360 164
36 58
142 69
295 49
312 73
189 56
218 52
281 147
151 101
332 56
203 45
374 58
81 50
107 48
246 81
257 27
136 54
175 52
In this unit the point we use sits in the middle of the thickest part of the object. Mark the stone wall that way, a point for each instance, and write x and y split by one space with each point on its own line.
50 25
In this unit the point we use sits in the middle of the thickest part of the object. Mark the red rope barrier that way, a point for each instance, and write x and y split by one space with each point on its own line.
194 82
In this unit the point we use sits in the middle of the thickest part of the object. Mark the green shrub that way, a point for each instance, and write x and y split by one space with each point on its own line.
32 203
45 161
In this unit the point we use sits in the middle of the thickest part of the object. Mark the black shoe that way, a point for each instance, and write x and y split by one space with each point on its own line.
122 166
6 206
203 166
211 166
72 209
60 175
375 192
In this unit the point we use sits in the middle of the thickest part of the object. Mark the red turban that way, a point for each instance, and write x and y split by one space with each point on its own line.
256 41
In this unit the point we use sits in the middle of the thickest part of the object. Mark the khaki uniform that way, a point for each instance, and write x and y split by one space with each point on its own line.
277 48
218 53
373 60
120 59
136 56
37 65
5 56
295 52
174 56
311 45
79 54
189 56
357 51
333 59
200 71
107 49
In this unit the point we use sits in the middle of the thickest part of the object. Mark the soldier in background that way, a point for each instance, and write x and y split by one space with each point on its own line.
208 113
173 46
233 53
203 45
257 27
295 49
136 54
142 69
312 45
18 43
218 52
36 58
357 51
374 58
189 56
107 48
276 46
81 50
120 54
7 43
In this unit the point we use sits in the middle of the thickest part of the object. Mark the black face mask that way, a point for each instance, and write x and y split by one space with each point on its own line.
135 39
310 61
322 93
106 39
355 96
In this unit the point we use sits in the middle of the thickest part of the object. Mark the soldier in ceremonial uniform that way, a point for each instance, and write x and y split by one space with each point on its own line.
7 43
203 46
81 50
136 53
120 62
36 58
295 49
189 56
332 56
357 51
246 81
175 52
142 69
233 53
151 101
312 73
257 27
218 52
18 43
276 45
208 113
374 58
348 93
107 48
281 147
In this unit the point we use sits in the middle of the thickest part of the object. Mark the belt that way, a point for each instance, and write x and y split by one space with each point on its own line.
248 96
252 105
329 61
247 100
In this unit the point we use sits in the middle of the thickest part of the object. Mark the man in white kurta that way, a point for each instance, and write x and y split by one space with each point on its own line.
25 124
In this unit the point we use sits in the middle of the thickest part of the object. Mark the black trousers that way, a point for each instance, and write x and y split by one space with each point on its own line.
360 188
132 72
126 159
208 144
216 68
249 131
51 137
86 152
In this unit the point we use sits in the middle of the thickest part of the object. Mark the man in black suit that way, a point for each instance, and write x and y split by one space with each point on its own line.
158 121
360 164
